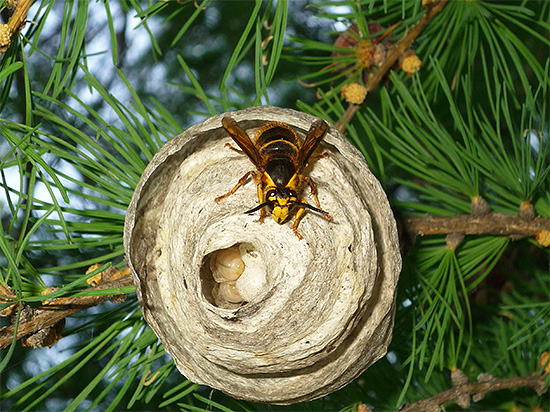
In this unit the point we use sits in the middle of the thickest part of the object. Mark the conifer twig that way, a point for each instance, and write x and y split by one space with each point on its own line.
464 393
491 224
55 310
391 58
15 23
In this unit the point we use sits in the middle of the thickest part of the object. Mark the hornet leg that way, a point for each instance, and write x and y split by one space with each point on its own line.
297 218
261 200
241 182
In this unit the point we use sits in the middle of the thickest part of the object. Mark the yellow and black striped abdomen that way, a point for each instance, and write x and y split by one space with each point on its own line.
275 139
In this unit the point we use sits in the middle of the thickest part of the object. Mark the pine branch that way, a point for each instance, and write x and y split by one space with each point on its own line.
394 53
465 391
15 23
491 224
42 326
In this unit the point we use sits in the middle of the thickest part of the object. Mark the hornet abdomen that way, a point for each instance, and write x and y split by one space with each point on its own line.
276 141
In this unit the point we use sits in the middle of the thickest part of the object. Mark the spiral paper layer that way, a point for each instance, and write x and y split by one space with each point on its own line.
316 313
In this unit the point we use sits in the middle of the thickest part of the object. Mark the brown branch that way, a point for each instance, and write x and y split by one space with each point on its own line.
16 22
19 15
491 224
56 310
391 58
477 390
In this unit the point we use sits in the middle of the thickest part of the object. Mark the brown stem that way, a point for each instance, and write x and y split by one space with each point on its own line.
392 56
19 14
15 23
477 390
55 310
490 224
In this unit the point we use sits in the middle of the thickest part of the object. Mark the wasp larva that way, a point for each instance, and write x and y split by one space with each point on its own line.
228 292
226 266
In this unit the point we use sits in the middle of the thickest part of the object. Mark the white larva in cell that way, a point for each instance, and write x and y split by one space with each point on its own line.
228 292
226 265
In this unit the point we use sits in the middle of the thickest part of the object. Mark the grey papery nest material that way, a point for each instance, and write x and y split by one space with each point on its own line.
305 317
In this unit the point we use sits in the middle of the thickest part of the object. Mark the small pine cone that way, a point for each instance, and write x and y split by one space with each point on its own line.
543 237
543 362
5 37
410 64
354 93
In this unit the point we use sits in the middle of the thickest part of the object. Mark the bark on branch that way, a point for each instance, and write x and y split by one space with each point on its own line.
46 317
463 394
15 23
491 224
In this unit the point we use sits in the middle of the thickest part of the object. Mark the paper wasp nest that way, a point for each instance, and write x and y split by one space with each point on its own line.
246 307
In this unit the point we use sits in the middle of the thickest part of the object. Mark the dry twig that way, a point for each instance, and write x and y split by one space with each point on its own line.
45 320
15 23
463 394
491 224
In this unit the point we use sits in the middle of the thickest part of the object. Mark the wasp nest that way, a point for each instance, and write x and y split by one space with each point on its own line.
245 306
